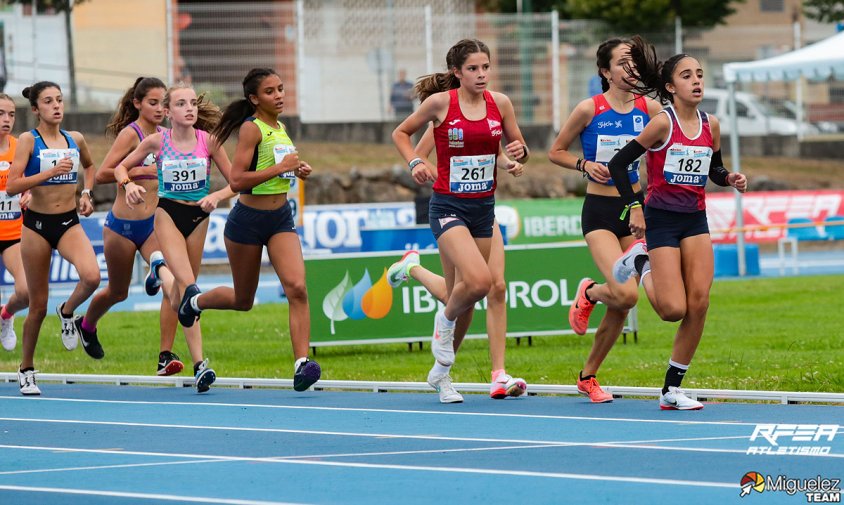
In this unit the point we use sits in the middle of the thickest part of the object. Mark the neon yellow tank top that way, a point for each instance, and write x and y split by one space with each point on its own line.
274 145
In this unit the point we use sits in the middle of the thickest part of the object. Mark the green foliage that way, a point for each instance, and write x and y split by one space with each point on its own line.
825 11
44 5
775 334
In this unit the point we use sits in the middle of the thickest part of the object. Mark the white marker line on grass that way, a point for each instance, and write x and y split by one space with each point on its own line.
476 471
392 411
141 496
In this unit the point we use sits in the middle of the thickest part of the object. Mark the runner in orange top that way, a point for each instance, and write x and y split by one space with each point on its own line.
10 227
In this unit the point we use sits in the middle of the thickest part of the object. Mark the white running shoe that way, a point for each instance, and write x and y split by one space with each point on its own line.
625 266
27 383
397 273
676 399
70 335
442 383
504 385
8 338
442 343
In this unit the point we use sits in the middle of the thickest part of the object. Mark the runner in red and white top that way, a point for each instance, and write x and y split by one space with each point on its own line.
469 123
685 152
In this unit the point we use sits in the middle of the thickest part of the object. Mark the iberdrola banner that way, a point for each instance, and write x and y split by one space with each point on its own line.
352 302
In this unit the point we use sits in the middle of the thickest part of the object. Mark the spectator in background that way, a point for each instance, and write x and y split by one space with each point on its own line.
401 96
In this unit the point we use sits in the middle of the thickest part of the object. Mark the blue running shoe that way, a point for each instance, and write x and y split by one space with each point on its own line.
203 376
152 284
187 314
306 375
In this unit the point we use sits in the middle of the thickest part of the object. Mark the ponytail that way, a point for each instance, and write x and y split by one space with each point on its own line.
427 85
237 111
126 111
652 75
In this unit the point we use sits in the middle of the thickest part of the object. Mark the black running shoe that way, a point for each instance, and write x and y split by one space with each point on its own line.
203 376
89 339
169 363
187 314
306 375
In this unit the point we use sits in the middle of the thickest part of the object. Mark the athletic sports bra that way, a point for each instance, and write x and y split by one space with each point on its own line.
184 176
150 159
10 208
274 146
609 131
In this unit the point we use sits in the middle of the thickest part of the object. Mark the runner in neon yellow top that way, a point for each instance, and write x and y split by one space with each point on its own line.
274 146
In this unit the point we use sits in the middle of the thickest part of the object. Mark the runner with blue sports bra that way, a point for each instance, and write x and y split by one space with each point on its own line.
183 164
604 123
139 113
47 162
265 161
10 228
683 146
469 124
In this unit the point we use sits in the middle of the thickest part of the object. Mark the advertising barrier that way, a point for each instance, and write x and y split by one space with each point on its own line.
352 302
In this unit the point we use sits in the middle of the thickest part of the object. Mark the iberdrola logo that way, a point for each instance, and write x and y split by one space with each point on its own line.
358 301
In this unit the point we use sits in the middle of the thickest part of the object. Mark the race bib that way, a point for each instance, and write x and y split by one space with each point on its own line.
10 207
608 145
51 157
687 165
279 152
184 176
471 174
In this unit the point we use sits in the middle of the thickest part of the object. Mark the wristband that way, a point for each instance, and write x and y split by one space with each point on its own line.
627 207
526 152
87 192
412 163
123 183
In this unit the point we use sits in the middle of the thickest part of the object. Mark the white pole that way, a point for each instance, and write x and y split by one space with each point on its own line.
300 59
736 158
34 42
171 57
555 70
798 88
678 35
429 40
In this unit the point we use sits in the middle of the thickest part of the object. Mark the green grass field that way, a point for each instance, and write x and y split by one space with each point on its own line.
769 334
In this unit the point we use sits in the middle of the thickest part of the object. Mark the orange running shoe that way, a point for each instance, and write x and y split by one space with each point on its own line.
581 309
592 389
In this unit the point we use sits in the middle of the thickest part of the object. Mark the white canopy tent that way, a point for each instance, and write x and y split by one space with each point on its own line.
816 61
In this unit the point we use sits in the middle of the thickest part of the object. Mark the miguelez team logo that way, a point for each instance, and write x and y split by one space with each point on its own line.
752 481
359 301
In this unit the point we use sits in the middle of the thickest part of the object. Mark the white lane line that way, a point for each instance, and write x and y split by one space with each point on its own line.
394 411
439 469
106 467
142 496
310 432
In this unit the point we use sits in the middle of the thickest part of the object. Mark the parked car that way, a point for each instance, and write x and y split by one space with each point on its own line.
753 115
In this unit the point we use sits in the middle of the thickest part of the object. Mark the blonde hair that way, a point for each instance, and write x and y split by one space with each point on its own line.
208 115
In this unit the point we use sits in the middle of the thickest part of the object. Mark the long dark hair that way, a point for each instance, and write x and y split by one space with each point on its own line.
32 93
239 110
652 75
604 58
126 111
427 85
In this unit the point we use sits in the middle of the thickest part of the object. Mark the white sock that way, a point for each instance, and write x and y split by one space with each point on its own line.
440 369
298 362
444 320
646 270
194 303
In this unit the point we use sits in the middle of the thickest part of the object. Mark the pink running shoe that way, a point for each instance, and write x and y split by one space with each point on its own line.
581 309
592 389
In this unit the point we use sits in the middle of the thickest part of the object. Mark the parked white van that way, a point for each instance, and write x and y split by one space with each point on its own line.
753 116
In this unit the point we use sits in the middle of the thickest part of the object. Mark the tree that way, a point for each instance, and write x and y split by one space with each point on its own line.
633 16
66 7
825 11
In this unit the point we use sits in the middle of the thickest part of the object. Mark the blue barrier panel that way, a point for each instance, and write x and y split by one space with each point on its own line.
726 259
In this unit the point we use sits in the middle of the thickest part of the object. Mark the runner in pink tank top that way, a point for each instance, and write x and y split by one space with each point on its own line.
685 152
469 123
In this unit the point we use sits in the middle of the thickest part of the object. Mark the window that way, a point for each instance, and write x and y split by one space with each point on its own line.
709 105
772 5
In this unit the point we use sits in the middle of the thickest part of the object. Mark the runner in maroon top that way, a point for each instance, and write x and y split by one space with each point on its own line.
469 123
684 151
